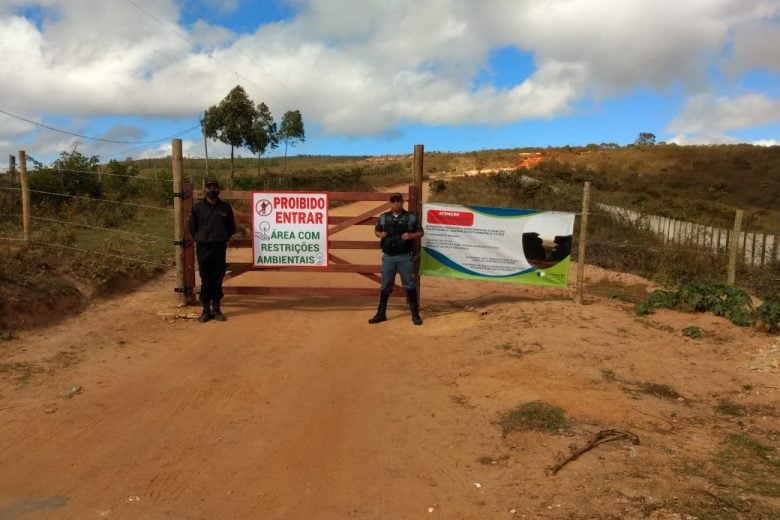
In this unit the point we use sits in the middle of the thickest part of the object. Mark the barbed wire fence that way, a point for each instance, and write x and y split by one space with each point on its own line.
641 244
79 227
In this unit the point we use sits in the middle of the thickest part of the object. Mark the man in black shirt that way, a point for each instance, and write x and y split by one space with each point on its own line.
211 225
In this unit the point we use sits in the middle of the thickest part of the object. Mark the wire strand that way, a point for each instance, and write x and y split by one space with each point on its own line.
142 235
89 198
59 246
47 127
194 45
102 173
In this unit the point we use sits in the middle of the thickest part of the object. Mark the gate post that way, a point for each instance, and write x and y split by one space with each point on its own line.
189 245
583 242
415 205
179 220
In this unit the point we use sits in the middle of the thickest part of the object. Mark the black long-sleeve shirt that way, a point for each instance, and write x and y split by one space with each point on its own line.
212 222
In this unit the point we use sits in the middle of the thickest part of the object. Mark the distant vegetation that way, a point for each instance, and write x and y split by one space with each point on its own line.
703 184
98 224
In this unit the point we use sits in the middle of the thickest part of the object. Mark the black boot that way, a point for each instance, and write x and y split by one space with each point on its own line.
216 312
206 314
380 311
414 306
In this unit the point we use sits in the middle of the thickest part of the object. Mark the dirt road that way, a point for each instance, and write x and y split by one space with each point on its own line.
297 408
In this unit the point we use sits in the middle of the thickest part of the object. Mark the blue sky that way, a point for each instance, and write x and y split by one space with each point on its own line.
375 77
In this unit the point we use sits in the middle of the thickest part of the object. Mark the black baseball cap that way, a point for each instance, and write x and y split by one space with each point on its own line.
212 182
396 196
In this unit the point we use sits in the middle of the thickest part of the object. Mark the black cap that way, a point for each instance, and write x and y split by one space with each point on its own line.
212 182
396 196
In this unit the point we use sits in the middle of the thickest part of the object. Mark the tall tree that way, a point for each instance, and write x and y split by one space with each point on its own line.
291 131
645 139
236 121
264 133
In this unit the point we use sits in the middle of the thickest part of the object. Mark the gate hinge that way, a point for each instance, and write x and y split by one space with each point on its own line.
185 290
182 194
184 243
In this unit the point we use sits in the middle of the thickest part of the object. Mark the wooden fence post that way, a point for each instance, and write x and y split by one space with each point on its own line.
734 247
178 221
26 219
189 244
583 241
12 169
415 205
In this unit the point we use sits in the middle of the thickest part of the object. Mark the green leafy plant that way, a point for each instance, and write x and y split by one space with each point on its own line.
692 332
702 296
768 314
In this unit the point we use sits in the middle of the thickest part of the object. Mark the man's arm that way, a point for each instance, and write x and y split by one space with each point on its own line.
192 223
379 229
417 230
412 236
231 221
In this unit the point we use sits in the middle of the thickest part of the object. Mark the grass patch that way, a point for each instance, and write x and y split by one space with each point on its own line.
692 332
629 293
608 375
729 408
659 390
535 416
744 467
753 465
693 468
63 359
19 372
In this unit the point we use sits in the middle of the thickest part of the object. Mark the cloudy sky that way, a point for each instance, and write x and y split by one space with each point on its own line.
376 77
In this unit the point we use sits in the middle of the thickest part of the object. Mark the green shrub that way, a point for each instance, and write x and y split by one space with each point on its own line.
703 296
438 186
72 175
692 332
768 313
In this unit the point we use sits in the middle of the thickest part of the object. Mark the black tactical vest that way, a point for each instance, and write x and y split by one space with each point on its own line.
393 244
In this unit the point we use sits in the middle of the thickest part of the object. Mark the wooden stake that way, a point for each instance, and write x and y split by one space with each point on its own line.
179 220
12 169
734 247
583 242
415 204
26 219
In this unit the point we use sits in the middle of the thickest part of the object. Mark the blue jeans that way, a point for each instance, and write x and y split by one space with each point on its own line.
403 264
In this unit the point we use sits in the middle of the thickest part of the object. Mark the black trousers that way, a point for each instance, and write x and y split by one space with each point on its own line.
212 267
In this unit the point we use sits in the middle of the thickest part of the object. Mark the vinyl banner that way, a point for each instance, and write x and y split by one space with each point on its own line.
497 244
289 229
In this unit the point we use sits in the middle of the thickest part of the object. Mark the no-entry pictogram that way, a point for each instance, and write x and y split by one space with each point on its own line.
264 207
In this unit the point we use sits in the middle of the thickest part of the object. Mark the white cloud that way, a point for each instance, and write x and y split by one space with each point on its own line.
706 118
755 46
360 67
766 142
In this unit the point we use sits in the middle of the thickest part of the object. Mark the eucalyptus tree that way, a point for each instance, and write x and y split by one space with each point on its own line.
291 131
238 122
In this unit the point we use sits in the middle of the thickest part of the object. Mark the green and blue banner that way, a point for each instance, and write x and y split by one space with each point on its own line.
497 244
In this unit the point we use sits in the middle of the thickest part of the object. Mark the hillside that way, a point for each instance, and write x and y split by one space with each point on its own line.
702 183
83 248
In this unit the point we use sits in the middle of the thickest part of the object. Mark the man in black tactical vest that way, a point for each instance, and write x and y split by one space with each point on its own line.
397 229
